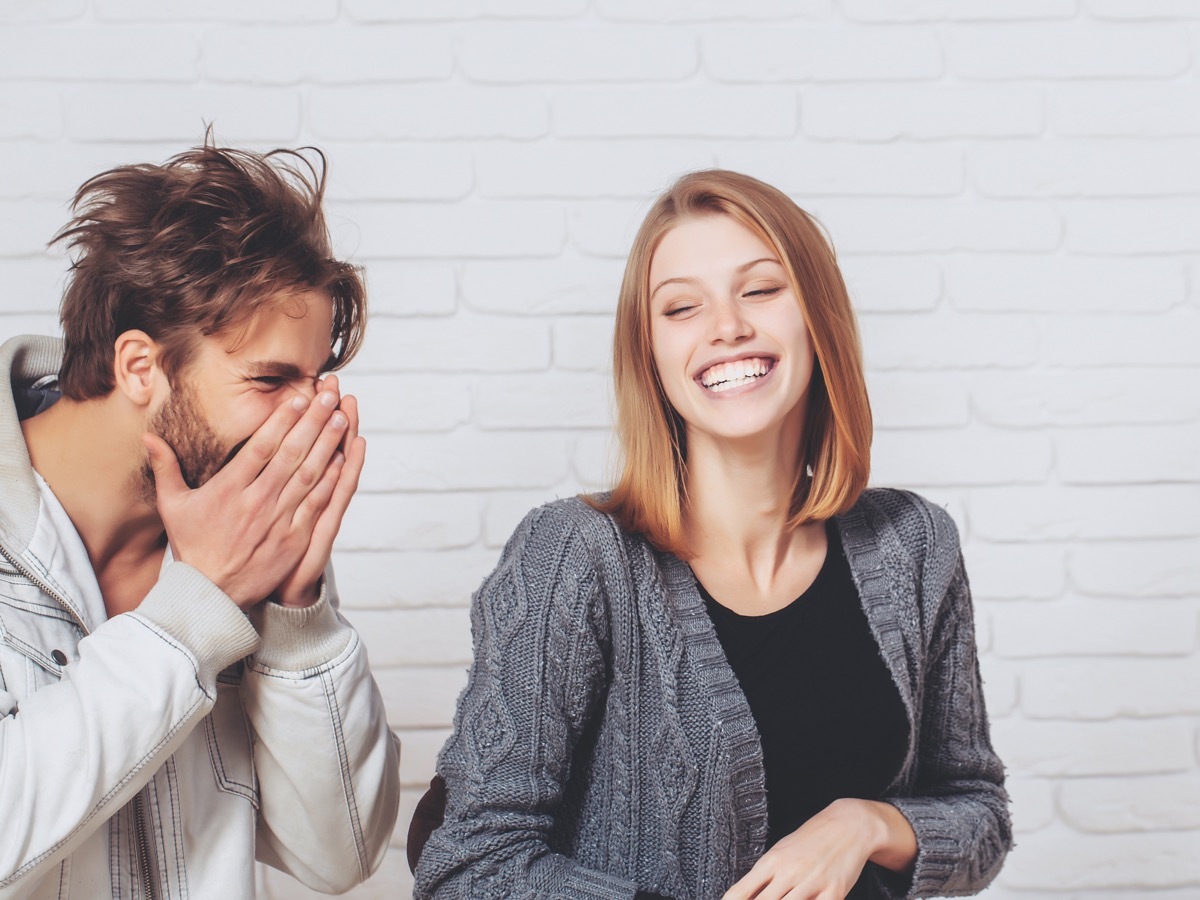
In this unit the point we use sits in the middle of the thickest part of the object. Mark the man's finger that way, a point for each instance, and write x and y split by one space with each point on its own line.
307 476
168 479
262 446
295 448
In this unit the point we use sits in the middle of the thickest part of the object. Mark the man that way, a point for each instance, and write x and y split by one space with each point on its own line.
178 693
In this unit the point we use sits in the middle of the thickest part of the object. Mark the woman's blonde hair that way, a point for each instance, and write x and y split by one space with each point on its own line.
650 495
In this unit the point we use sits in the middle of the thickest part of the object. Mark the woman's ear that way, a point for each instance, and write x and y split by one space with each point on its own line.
136 369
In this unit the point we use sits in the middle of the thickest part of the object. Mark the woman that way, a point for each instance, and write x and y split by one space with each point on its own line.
739 674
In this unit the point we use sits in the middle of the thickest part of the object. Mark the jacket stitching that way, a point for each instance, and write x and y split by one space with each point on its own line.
335 719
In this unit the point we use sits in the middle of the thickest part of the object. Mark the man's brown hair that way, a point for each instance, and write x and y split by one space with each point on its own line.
196 247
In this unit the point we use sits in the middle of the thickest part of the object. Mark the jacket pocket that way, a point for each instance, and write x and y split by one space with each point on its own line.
230 747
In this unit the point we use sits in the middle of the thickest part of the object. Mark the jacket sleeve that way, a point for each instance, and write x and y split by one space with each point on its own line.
327 763
958 806
74 752
537 677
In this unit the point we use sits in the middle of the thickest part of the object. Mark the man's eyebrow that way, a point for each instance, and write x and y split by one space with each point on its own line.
744 267
274 368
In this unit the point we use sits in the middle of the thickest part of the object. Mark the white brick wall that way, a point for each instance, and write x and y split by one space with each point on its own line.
1013 187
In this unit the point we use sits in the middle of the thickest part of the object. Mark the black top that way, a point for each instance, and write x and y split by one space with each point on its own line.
830 718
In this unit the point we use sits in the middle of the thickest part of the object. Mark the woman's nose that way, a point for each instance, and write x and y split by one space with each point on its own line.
729 322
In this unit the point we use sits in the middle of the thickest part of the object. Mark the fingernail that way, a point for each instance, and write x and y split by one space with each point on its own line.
339 458
327 398
338 420
299 403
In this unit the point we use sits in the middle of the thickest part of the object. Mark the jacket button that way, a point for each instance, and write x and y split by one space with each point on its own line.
59 657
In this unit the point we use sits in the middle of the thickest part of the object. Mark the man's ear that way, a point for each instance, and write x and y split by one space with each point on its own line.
136 367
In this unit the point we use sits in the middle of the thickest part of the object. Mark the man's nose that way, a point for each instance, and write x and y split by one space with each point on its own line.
306 387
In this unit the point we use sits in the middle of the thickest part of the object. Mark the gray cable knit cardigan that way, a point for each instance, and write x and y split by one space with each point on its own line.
602 743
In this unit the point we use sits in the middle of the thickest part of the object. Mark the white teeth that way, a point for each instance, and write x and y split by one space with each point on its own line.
726 376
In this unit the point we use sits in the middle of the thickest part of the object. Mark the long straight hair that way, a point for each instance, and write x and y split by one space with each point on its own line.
650 495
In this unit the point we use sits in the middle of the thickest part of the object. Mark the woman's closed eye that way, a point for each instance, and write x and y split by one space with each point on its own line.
763 292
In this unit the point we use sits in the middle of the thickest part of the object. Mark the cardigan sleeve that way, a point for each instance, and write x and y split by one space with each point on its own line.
957 806
540 638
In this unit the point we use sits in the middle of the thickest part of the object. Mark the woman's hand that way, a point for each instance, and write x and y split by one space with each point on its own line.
822 859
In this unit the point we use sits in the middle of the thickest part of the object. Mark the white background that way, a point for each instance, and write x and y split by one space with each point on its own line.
1012 186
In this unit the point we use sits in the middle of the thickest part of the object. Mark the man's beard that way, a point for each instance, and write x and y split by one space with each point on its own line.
199 450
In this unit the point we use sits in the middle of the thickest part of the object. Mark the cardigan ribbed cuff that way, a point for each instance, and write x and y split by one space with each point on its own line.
295 639
198 614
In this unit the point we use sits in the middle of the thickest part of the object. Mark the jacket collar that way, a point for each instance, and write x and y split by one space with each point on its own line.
23 361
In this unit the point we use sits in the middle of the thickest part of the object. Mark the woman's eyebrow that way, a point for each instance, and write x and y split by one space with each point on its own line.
744 267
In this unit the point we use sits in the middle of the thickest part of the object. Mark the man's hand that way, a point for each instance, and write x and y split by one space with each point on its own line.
822 859
251 527
300 587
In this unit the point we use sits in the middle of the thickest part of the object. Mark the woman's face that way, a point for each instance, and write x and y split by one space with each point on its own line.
728 335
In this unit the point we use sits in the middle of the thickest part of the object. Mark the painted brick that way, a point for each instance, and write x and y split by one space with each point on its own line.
1064 284
410 403
239 115
417 10
1033 806
1071 50
410 288
813 53
29 323
712 10
967 456
538 287
1147 9
33 284
1087 168
584 343
1074 749
78 54
917 400
505 510
30 111
891 284
546 400
467 461
1056 513
806 169
1094 627
594 462
572 53
1150 803
281 11
1100 688
26 226
395 579
419 759
675 111
1075 863
1145 569
946 340
1131 455
16 11
435 112
459 344
414 637
952 10
454 231
1133 226
421 696
1121 109
1064 398
920 111
54 171
606 227
425 171
887 225
1118 340
1010 572
576 169
290 55
410 522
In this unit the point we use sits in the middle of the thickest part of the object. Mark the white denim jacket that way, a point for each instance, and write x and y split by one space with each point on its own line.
156 754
